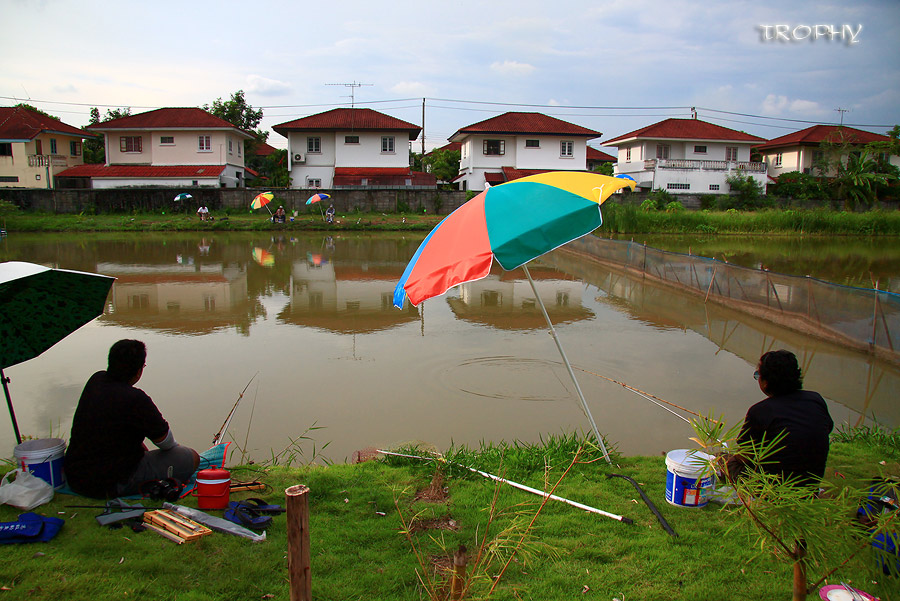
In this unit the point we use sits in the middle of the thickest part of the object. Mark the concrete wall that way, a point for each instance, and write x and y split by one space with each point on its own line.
232 199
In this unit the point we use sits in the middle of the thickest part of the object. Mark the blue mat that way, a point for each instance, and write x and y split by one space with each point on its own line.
212 457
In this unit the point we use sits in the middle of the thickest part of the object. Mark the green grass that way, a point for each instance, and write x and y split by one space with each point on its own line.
357 553
630 219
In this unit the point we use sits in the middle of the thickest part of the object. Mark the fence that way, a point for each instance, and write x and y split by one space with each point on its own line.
867 320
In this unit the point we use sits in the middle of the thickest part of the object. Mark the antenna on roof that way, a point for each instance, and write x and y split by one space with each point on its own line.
355 84
841 111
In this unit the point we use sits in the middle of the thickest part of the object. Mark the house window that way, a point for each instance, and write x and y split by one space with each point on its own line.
5 149
566 149
387 143
676 186
627 155
10 179
699 149
230 146
240 148
494 147
204 144
662 151
778 159
130 144
731 153
532 143
313 144
351 139
52 145
167 140
75 148
817 156
38 147
713 187
314 182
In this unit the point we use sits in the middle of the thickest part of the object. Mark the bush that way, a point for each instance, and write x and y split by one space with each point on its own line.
649 205
674 206
747 193
708 201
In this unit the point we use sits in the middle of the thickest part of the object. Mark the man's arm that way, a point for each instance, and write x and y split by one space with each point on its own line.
166 442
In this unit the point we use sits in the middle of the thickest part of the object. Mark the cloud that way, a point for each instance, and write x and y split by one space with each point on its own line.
65 89
778 105
513 68
267 87
412 88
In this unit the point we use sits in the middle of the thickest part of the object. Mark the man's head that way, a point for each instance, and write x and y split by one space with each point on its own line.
126 360
779 373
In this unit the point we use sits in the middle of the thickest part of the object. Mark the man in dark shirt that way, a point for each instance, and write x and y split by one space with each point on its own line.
106 456
801 414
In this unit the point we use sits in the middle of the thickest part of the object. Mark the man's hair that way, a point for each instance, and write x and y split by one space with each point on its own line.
126 358
781 372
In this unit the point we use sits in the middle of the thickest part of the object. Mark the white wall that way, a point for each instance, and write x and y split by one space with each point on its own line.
185 150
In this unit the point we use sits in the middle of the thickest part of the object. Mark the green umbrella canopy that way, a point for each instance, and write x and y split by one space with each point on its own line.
40 306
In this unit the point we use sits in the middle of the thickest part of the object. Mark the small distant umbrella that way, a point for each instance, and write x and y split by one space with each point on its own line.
183 196
318 198
261 200
263 257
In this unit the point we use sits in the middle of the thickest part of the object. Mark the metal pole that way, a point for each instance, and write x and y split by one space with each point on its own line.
12 412
584 404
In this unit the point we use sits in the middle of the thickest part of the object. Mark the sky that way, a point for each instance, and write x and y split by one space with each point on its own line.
767 67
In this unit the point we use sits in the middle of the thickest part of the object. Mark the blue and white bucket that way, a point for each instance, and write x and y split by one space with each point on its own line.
685 484
43 458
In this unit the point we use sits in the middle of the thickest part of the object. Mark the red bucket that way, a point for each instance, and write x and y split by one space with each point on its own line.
213 487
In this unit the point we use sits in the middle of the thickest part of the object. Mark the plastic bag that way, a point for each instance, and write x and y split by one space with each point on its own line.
26 491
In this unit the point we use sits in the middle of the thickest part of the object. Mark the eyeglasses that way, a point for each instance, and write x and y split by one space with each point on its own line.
756 375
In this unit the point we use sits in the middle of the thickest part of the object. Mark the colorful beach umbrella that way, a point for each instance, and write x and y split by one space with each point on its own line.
183 196
513 223
261 200
317 198
263 257
40 306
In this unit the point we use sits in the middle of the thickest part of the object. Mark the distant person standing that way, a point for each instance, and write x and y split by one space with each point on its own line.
801 415
203 212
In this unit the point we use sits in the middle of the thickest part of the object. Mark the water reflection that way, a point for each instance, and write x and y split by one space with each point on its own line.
312 315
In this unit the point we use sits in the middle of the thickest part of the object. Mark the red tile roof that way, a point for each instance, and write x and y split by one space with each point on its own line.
513 123
348 120
449 147
143 171
815 135
264 150
19 123
598 155
381 176
686 129
168 118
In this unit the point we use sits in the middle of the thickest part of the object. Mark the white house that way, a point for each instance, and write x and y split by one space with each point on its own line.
35 148
514 145
687 156
168 147
801 150
351 148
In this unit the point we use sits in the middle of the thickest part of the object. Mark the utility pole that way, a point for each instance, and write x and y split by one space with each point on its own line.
423 128
841 111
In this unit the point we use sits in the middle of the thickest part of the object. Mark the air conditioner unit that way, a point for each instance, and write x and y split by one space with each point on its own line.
298 157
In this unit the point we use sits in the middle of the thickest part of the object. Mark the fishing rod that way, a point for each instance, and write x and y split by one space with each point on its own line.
649 503
224 427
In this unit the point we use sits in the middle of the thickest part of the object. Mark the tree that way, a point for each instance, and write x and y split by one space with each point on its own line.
604 169
443 164
94 150
240 114
37 110
857 180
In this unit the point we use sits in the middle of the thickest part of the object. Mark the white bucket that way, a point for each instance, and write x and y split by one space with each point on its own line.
43 458
684 485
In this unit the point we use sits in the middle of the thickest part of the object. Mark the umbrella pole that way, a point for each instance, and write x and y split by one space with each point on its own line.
584 404
12 413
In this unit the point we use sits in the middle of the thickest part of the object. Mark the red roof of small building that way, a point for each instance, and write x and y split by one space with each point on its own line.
381 176
20 123
264 149
168 118
143 171
449 147
686 129
514 123
815 135
348 120
598 155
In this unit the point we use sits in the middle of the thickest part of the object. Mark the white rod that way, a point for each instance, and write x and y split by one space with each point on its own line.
584 404
521 487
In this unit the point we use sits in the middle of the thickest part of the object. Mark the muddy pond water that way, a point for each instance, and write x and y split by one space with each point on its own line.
336 369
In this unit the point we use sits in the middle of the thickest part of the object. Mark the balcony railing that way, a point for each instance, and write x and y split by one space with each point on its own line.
695 165
46 160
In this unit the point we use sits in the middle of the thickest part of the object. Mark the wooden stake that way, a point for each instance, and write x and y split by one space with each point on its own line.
458 583
297 503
